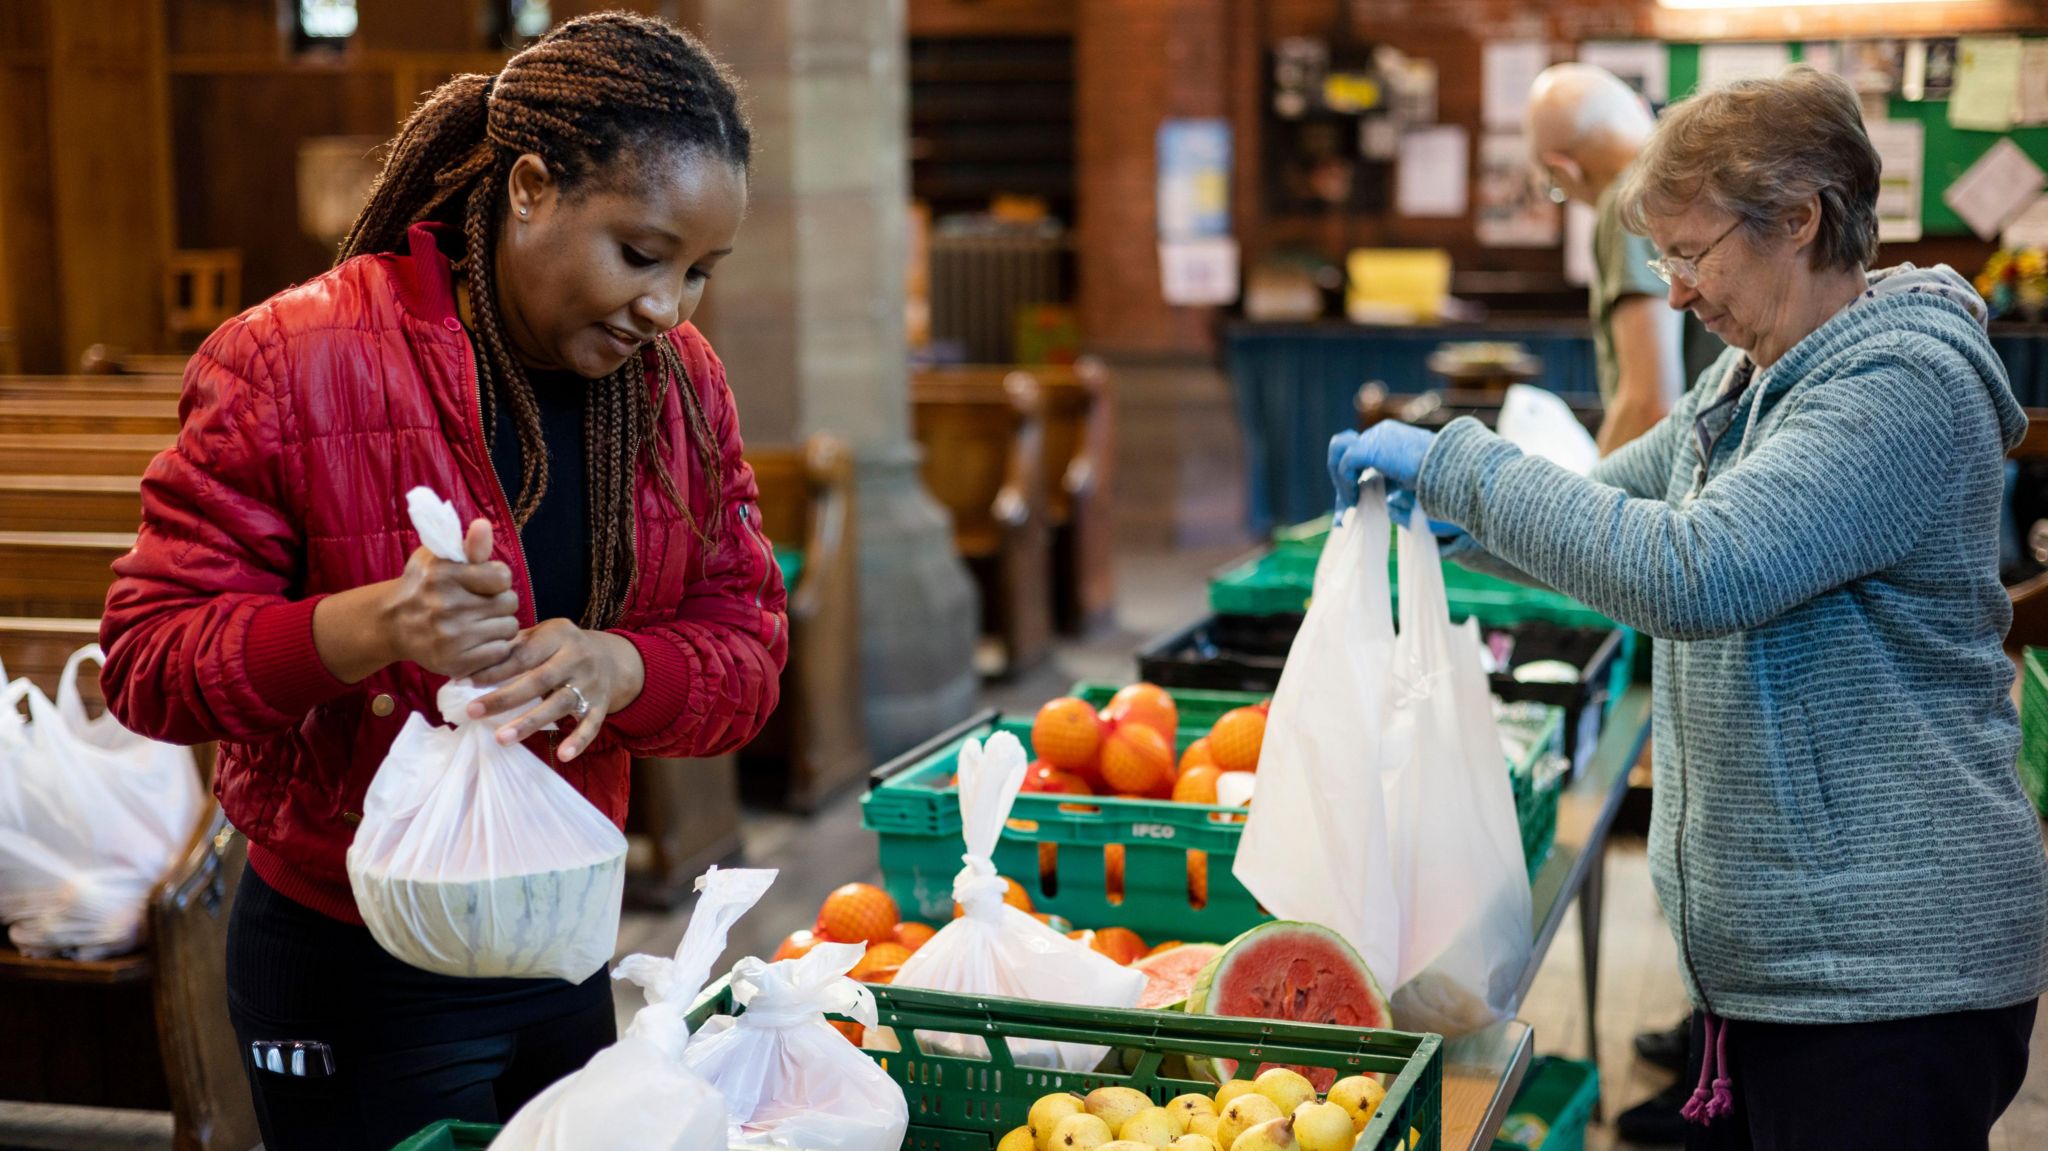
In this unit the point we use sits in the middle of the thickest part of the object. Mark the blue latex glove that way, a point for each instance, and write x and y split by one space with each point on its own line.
1393 449
1401 506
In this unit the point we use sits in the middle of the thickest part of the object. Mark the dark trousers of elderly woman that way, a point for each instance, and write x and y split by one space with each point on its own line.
1935 1083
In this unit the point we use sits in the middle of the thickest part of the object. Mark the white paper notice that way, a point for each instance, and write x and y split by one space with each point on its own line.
1994 189
1578 244
1987 84
1513 210
1434 172
1901 146
1644 65
2033 107
1196 273
1510 67
2029 229
1720 63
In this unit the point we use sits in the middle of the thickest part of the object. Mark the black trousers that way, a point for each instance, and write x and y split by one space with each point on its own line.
1935 1083
409 1047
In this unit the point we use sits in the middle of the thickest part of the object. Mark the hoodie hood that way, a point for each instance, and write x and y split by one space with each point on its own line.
1941 281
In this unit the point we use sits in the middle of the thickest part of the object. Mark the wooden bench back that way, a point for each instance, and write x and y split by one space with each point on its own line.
92 387
63 574
70 503
78 454
35 416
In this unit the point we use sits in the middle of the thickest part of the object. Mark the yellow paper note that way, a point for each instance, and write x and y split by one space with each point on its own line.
1987 83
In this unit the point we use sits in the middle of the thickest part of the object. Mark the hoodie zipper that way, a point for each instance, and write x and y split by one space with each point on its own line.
767 567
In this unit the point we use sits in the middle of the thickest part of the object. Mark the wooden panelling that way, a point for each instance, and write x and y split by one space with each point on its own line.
109 171
992 17
30 312
237 161
253 26
410 26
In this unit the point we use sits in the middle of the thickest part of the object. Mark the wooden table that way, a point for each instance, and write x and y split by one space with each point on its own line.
1483 1071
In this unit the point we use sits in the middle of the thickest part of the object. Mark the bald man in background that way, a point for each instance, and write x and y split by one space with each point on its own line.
1585 129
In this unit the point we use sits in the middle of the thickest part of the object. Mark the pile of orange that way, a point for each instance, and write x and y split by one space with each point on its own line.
1126 750
865 914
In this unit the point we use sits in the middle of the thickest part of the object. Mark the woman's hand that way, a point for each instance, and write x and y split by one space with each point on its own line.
545 663
453 619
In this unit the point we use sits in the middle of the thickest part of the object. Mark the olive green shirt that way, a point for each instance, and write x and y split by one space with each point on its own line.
1621 268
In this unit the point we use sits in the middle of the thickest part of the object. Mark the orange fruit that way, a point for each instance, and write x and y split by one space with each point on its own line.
1196 784
1016 897
1197 755
1113 870
847 1027
797 946
1234 741
1067 735
1198 879
1137 760
1121 944
913 935
1145 704
858 913
1166 946
881 958
1043 777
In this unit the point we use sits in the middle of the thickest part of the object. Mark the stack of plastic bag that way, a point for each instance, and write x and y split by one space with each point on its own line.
91 816
995 949
476 859
1384 810
636 1095
789 1079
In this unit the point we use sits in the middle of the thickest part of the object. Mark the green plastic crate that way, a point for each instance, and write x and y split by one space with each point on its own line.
1559 1093
1056 846
1279 583
1537 776
2034 726
962 1104
1199 709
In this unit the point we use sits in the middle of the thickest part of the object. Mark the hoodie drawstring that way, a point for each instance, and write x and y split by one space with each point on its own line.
1708 1104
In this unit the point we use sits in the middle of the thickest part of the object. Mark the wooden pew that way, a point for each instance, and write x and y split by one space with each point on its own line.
28 453
816 742
64 574
158 417
144 388
1080 448
70 503
984 461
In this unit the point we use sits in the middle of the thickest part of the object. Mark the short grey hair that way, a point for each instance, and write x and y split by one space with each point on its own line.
1757 149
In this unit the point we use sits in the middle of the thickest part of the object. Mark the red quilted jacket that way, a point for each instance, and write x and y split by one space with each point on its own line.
306 420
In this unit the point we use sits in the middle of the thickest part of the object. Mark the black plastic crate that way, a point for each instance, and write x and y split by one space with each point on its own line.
1246 653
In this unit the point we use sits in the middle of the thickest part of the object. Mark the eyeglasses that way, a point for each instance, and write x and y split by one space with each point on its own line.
1687 268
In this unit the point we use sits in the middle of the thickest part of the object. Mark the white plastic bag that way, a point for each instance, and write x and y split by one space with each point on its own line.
636 1095
1316 846
1538 421
789 1079
1458 867
477 859
995 949
91 816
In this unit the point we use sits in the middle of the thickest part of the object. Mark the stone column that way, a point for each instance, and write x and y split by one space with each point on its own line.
808 316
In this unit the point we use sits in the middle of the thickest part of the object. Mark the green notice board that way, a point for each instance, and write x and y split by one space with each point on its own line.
1949 151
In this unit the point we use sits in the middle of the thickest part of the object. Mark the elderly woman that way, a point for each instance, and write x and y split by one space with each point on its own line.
1856 884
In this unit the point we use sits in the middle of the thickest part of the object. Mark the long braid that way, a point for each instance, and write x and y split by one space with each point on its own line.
596 90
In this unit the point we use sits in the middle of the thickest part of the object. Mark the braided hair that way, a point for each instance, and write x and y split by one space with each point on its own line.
596 92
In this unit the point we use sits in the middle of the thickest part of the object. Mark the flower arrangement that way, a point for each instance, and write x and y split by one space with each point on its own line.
2015 282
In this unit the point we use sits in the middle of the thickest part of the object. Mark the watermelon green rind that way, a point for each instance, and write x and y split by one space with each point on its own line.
1226 976
1182 963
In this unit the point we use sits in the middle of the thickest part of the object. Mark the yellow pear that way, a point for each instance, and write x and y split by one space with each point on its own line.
1018 1140
1323 1127
1116 1105
1232 1090
1154 1127
1287 1089
1193 1142
1205 1125
1047 1113
1357 1093
1190 1105
1241 1115
1080 1133
1271 1135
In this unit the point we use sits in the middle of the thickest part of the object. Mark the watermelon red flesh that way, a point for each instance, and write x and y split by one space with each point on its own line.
1293 971
1170 974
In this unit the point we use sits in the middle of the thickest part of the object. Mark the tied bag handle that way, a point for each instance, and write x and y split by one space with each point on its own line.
71 705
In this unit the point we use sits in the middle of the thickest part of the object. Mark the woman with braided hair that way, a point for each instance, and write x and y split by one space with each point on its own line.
507 325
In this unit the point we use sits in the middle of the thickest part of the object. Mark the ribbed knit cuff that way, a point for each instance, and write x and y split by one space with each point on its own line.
333 899
281 661
664 688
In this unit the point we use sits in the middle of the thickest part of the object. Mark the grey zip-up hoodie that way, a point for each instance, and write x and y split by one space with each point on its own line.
1838 832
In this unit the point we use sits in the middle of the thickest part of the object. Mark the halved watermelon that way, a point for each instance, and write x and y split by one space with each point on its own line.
1294 971
1170 974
